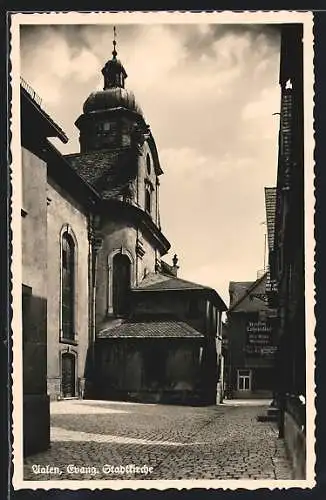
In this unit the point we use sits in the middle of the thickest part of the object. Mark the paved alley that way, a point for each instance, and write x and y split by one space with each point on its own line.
115 440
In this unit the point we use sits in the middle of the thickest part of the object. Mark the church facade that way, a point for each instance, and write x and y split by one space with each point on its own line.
116 321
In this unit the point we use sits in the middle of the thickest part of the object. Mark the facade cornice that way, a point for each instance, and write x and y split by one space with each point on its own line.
140 218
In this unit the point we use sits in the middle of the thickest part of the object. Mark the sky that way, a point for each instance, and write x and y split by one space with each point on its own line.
208 92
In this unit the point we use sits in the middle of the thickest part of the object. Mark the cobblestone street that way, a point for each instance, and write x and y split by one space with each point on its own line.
177 442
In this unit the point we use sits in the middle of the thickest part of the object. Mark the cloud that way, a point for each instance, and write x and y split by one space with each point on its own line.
54 62
267 103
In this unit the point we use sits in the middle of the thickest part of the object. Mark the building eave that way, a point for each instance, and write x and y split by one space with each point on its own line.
206 291
45 123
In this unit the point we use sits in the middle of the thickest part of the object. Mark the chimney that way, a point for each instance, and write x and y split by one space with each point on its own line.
175 266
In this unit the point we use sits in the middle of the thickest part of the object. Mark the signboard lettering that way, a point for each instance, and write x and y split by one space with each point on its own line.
259 338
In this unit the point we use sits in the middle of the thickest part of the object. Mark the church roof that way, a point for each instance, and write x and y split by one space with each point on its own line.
107 171
159 281
150 329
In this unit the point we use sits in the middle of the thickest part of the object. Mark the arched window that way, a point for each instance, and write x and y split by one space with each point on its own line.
121 284
68 287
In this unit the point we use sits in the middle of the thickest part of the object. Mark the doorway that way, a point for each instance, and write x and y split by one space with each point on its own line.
68 379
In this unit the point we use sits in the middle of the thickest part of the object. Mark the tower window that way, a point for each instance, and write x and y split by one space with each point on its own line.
148 164
68 287
148 198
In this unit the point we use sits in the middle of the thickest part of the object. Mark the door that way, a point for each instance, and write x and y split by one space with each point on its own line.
68 375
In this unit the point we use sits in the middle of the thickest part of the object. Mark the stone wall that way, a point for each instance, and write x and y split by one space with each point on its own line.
295 442
36 419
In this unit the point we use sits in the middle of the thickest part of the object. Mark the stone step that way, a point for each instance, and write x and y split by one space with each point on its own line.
273 411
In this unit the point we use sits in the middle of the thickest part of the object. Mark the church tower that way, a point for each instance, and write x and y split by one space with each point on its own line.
119 159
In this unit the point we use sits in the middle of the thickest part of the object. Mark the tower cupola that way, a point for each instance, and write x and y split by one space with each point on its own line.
109 115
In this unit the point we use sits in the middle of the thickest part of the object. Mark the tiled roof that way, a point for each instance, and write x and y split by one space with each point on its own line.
242 292
150 329
107 171
237 290
270 203
159 281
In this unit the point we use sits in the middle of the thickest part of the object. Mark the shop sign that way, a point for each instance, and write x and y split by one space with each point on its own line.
259 337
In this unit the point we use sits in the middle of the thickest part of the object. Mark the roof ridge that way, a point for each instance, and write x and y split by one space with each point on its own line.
186 281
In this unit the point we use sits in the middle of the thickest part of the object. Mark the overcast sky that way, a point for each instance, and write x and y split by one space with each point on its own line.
208 93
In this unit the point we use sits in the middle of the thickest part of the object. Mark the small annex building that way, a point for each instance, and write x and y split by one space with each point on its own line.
168 349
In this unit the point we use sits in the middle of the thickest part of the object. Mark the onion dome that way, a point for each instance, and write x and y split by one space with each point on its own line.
115 97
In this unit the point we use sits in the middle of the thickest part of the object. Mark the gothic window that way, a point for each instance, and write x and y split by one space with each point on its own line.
121 284
148 164
68 287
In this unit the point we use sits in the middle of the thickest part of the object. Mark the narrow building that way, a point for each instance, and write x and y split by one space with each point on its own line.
287 255
251 336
